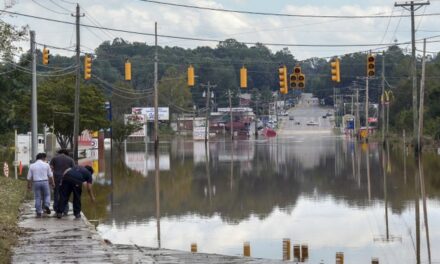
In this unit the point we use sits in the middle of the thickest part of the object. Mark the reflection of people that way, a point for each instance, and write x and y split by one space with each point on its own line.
59 164
72 181
39 176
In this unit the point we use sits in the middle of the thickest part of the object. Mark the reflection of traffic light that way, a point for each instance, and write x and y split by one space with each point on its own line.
87 67
282 73
370 65
45 56
301 81
243 77
336 74
127 70
293 81
190 76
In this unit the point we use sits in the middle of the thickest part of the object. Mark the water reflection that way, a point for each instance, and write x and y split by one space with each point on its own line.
327 192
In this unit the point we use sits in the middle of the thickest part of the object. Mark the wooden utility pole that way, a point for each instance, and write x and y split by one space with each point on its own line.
156 100
34 120
382 99
422 97
77 88
208 100
367 125
412 6
230 115
358 121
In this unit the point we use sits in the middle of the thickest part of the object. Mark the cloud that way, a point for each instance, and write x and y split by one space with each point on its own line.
140 16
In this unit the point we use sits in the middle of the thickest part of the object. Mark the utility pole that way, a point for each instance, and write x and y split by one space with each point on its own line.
230 114
413 7
256 116
77 90
34 98
382 99
358 121
208 99
422 97
156 100
366 109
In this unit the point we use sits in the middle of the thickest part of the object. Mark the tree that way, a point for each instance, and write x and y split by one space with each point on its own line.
121 131
174 92
56 107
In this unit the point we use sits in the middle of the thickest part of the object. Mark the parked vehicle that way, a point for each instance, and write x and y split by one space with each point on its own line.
312 123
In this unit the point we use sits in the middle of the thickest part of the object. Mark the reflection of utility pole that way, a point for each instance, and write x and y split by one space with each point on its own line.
385 164
413 7
208 99
157 185
425 209
368 172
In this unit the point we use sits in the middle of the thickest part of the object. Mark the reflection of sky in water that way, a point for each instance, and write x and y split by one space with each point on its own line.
325 225
313 190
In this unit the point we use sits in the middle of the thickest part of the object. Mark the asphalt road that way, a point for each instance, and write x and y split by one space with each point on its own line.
307 119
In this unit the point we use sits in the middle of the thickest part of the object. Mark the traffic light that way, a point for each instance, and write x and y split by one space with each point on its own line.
190 76
243 77
301 81
282 73
127 70
45 56
87 67
293 81
336 74
297 79
370 65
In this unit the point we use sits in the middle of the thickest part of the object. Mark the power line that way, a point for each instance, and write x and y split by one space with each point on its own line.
51 10
277 14
212 40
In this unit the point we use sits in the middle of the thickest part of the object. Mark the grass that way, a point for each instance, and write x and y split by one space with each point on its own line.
12 194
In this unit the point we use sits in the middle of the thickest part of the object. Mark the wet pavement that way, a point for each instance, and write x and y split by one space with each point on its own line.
52 240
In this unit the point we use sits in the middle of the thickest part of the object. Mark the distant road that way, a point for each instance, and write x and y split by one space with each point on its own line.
307 120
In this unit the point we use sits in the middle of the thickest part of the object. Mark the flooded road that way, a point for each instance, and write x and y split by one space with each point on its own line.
324 191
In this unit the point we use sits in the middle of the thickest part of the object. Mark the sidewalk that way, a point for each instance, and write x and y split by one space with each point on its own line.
52 240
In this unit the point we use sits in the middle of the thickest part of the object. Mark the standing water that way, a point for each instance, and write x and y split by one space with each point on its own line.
328 193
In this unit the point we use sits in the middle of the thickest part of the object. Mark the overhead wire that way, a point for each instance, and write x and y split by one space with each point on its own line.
51 10
207 39
275 14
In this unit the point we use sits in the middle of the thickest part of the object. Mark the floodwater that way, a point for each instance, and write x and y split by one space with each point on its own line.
326 192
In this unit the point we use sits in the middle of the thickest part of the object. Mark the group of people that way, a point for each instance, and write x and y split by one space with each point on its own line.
64 177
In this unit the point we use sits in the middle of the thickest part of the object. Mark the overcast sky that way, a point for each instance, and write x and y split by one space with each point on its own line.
137 15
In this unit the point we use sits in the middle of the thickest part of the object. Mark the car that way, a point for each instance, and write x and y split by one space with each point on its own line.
291 118
312 123
297 123
324 116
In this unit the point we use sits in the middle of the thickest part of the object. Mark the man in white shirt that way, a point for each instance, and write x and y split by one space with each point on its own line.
39 176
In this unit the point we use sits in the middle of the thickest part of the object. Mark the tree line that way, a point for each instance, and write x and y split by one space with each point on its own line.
219 65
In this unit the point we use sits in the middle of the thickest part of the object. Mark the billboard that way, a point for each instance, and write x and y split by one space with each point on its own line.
163 112
137 119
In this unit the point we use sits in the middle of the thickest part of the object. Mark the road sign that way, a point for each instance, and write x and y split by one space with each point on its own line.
6 169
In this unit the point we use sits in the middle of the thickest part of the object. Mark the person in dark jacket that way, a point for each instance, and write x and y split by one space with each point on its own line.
59 164
72 182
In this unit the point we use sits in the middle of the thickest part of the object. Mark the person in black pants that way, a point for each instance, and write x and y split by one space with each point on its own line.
59 164
73 180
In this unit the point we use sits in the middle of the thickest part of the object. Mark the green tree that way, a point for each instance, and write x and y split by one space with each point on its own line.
56 107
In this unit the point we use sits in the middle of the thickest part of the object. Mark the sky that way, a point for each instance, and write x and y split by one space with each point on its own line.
140 16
